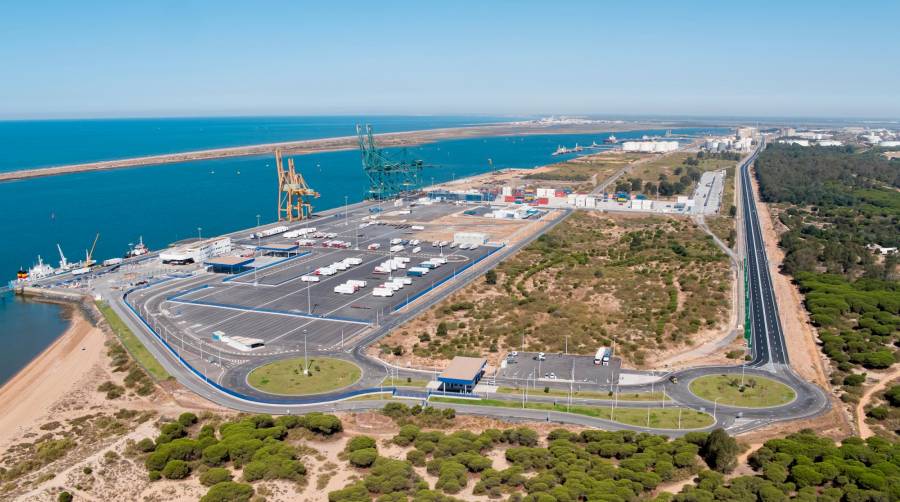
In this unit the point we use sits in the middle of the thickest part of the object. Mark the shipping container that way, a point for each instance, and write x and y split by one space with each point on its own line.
542 201
382 292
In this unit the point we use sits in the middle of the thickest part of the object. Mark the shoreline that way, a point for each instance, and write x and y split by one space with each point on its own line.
325 145
31 393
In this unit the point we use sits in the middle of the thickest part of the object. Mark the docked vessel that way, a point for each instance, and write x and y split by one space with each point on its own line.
611 140
40 270
22 274
138 249
561 150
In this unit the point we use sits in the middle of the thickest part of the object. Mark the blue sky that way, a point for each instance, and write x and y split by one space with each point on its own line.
161 58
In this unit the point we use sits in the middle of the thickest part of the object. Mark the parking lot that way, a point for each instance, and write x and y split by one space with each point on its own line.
557 368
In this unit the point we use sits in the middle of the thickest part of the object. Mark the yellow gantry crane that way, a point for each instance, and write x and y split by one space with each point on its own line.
294 195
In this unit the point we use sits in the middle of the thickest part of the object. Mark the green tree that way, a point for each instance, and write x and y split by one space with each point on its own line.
215 475
720 451
490 277
228 491
176 469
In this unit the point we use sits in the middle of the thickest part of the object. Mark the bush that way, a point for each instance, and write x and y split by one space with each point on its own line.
854 379
215 475
176 469
146 445
228 491
187 419
64 497
364 457
893 395
154 475
216 454
878 413
416 457
360 443
322 424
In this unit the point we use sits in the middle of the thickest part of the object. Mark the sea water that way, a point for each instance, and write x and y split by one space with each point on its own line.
167 203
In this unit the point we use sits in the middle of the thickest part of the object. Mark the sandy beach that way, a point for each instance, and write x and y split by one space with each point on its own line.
53 375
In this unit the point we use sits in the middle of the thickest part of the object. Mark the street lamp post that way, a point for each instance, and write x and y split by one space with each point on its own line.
305 358
199 235
345 211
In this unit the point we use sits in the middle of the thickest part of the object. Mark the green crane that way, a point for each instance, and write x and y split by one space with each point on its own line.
387 178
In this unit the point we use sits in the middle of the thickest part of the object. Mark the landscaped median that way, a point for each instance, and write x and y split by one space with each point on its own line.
286 376
132 344
749 391
660 418
622 396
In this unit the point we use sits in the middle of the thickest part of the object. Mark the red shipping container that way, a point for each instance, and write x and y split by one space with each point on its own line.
560 193
509 198
543 201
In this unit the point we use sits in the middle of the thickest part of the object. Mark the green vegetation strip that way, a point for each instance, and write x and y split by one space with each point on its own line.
286 376
132 344
757 392
624 396
660 418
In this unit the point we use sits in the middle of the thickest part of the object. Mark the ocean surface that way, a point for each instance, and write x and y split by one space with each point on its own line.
167 203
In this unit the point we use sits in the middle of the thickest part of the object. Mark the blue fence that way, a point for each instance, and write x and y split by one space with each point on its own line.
456 273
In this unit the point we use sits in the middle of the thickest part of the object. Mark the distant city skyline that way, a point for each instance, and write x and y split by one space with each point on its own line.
819 59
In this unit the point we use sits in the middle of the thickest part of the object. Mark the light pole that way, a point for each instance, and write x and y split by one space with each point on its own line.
345 211
308 300
305 358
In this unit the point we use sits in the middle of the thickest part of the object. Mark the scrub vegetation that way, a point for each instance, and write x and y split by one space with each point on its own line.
593 168
132 344
248 450
646 283
883 415
834 202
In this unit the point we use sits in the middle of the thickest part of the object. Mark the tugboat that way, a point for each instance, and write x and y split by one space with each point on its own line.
611 140
22 274
137 250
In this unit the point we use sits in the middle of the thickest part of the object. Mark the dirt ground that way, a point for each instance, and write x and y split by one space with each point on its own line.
880 381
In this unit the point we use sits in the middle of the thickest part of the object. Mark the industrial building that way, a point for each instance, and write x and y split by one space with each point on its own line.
478 238
228 264
196 252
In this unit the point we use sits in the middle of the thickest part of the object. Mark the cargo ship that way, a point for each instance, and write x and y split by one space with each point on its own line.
561 150
611 140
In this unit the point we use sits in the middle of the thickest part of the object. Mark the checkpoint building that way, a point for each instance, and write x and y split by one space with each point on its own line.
463 374
228 264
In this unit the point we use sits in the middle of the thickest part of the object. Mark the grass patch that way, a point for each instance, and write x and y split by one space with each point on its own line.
286 376
625 396
757 392
132 344
660 418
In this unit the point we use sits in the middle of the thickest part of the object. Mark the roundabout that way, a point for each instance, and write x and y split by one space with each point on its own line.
751 391
286 377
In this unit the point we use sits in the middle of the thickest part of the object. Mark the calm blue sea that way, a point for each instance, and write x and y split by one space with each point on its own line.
169 202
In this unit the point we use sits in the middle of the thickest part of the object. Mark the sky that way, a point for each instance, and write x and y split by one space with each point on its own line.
186 58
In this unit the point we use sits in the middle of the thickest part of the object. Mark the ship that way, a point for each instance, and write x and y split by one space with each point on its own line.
577 148
138 249
611 140
22 274
561 150
40 270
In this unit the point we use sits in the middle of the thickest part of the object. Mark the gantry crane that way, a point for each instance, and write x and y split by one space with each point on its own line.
294 195
387 178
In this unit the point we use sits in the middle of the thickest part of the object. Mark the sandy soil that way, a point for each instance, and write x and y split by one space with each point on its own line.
881 381
52 376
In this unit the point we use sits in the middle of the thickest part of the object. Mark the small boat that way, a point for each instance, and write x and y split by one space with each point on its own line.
137 250
611 140
22 274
